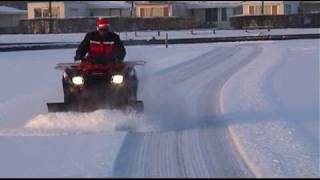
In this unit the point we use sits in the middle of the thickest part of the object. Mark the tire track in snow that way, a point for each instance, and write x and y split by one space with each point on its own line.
190 146
207 107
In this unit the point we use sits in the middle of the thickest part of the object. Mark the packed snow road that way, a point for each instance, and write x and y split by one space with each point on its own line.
183 132
191 139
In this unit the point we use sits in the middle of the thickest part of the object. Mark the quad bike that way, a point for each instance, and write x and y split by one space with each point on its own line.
88 87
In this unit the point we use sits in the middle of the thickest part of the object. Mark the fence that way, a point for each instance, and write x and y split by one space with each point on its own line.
276 21
119 24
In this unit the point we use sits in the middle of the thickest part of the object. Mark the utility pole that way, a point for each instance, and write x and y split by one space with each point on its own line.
301 12
262 13
262 9
50 17
132 6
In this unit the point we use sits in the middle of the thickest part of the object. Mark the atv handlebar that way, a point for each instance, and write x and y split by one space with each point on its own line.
88 65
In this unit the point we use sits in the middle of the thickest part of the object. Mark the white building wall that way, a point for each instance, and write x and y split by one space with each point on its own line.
10 20
125 12
109 12
99 12
179 9
76 9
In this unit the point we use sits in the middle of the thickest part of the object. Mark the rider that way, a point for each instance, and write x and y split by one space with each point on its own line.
102 45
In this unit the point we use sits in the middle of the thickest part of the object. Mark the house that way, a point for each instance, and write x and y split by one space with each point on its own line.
270 7
214 12
76 9
277 14
9 18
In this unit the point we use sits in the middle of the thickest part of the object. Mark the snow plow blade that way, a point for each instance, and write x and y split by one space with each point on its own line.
60 107
137 106
76 107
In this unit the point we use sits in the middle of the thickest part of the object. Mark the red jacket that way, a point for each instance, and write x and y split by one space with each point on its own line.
101 48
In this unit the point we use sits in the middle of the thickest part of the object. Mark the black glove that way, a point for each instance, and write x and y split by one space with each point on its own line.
77 58
117 59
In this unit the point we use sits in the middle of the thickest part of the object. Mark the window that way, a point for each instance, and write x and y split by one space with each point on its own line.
223 14
251 10
258 10
211 14
267 9
37 13
44 12
154 11
166 11
115 12
142 12
274 9
55 12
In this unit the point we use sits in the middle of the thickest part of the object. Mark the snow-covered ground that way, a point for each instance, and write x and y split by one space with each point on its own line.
273 105
77 37
211 110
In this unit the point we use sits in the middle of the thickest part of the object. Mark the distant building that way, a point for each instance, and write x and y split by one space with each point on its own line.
9 18
214 12
15 4
71 9
206 12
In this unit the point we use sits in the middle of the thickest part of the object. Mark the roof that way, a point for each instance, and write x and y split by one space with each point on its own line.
212 4
109 4
11 10
265 2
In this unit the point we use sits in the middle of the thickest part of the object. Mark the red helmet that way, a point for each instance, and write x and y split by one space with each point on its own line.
102 22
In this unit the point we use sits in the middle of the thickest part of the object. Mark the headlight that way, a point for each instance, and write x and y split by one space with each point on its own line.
77 80
117 79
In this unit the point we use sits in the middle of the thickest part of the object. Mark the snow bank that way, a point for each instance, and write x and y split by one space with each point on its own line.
96 121
70 123
179 34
